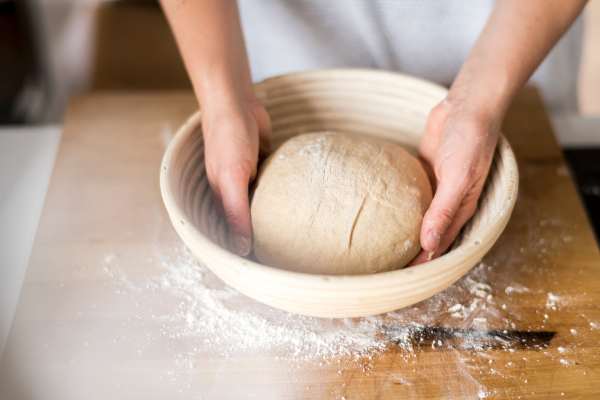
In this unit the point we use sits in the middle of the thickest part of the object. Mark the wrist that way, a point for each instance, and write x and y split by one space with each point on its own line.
480 93
471 120
220 88
486 114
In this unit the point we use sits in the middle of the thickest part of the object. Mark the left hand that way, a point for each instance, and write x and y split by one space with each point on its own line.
233 134
458 147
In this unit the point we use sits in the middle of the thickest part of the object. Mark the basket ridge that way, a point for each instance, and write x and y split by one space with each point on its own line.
375 103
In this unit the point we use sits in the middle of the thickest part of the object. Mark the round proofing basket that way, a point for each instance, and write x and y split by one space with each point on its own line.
368 102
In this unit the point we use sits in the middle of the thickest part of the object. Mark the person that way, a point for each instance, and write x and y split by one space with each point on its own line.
510 38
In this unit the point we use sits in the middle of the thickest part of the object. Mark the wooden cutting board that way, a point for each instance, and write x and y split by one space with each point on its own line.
94 322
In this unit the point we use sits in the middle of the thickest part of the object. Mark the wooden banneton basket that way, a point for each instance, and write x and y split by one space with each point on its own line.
369 102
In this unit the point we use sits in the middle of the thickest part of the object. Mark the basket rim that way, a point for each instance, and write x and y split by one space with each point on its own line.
205 249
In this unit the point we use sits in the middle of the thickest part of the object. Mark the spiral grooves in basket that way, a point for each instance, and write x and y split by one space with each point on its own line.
372 103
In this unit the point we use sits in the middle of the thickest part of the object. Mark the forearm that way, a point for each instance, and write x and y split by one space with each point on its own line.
515 40
210 40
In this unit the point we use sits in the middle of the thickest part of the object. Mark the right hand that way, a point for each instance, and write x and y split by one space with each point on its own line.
233 134
458 147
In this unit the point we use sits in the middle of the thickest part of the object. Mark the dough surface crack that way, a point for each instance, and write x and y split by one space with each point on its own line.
355 221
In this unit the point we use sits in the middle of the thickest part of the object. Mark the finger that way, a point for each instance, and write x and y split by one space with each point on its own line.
428 170
433 130
264 129
233 190
263 121
440 215
463 215
421 258
460 219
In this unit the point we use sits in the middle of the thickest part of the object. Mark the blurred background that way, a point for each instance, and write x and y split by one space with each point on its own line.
53 49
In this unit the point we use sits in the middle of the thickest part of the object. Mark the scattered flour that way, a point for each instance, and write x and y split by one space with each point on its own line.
565 362
552 301
480 323
229 322
222 320
464 321
515 288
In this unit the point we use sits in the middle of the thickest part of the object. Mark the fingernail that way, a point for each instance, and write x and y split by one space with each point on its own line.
434 240
430 255
241 245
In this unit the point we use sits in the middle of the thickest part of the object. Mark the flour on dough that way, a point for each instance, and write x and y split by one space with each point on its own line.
339 203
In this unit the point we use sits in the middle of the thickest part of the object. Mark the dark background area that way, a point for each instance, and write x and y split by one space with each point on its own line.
585 163
23 82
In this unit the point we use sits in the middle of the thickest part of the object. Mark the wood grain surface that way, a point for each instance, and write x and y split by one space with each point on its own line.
85 328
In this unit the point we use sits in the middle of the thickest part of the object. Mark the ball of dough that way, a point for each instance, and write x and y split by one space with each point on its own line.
339 204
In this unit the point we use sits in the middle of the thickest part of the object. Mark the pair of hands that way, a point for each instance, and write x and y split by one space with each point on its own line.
461 132
457 149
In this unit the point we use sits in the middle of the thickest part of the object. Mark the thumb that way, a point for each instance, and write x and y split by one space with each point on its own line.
233 190
441 213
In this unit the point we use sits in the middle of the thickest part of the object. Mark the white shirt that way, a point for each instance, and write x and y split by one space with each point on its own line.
424 38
